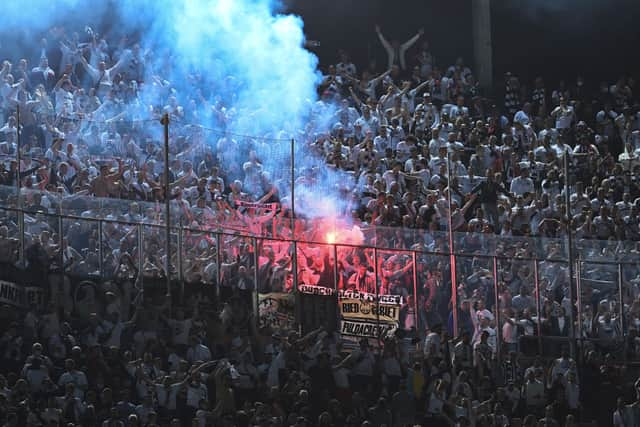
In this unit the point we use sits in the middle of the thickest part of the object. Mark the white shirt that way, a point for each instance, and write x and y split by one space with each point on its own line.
564 117
521 185
435 145
510 333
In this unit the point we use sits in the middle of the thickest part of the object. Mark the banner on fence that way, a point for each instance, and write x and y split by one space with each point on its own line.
351 308
315 290
21 296
276 310
366 329
383 299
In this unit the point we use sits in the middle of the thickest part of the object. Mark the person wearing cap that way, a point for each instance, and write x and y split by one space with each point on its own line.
428 110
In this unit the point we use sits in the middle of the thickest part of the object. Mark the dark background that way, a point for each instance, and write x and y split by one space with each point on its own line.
557 39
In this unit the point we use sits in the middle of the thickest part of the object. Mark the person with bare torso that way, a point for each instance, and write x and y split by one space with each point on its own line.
106 184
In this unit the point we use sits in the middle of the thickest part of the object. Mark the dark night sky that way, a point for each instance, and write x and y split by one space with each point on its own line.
554 38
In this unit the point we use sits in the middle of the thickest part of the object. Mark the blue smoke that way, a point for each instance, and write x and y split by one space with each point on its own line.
242 57
243 53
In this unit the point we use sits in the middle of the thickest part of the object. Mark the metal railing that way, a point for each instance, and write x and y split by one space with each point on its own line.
425 292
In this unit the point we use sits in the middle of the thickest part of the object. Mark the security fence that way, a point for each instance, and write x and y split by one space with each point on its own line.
394 281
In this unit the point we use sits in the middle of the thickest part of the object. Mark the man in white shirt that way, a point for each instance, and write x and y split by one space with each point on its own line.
563 114
510 332
483 324
436 142
382 141
395 175
579 199
440 160
396 51
522 184
103 76
458 110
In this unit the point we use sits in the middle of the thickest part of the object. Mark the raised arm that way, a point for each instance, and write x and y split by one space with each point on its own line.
376 80
406 45
124 59
95 74
405 88
420 87
385 43
399 273
61 81
355 97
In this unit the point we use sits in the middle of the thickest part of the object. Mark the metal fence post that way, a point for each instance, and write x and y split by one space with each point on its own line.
21 232
621 312
336 286
294 267
536 282
578 326
416 317
180 259
100 248
140 256
496 298
61 243
255 299
293 190
18 153
336 280
219 266
377 293
167 200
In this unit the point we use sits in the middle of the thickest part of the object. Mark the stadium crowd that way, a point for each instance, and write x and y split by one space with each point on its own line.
400 144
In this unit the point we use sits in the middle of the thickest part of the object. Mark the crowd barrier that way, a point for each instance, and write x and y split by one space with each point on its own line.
301 283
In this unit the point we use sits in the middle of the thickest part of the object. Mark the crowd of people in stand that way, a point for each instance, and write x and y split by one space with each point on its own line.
410 151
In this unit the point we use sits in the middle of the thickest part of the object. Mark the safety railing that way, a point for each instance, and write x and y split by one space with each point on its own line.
359 290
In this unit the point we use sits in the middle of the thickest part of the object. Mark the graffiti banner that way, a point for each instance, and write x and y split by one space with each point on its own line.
276 310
